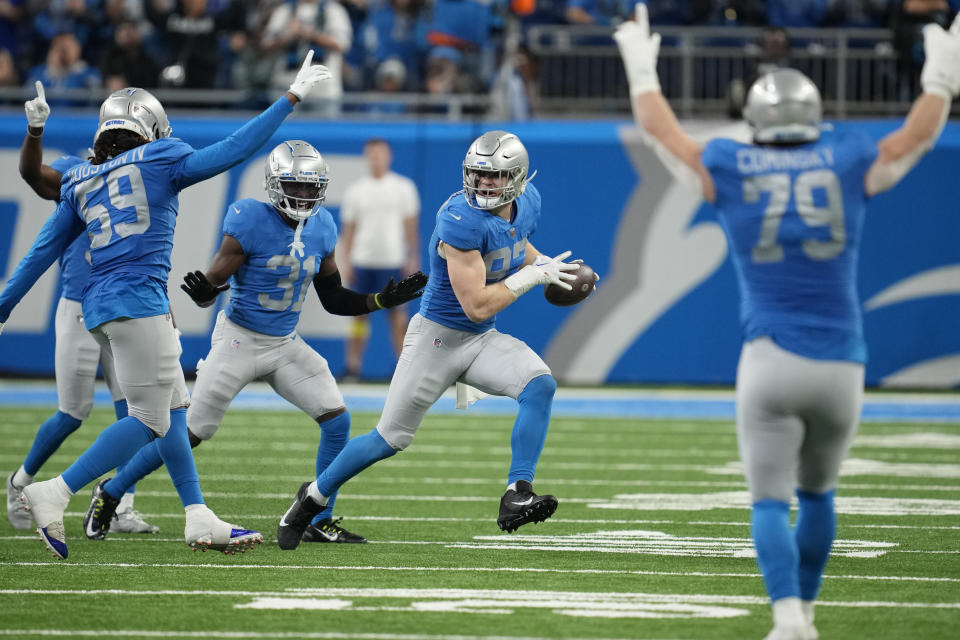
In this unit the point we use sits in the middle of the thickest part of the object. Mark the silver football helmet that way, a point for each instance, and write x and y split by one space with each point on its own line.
784 106
501 156
296 179
134 110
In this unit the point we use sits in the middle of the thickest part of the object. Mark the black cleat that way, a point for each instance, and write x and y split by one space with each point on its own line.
295 520
329 530
99 515
519 507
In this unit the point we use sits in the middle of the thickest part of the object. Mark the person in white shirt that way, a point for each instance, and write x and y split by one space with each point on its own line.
379 241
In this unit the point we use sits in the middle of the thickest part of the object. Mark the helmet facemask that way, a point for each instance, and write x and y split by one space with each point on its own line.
495 170
297 198
492 188
296 179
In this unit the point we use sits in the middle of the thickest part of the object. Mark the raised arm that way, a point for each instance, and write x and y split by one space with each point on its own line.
44 180
244 142
57 233
901 150
639 49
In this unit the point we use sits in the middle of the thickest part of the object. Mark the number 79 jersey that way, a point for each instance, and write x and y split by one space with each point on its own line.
267 291
793 218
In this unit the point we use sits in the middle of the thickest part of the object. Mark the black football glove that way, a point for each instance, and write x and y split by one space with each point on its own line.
200 289
406 290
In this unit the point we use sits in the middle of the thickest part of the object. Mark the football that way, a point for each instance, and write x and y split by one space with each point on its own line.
582 287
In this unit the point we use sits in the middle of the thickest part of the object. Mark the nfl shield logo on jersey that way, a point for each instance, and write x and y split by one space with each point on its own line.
235 343
437 342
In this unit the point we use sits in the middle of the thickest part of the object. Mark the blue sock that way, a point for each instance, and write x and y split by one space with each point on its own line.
530 427
333 438
814 532
120 407
50 436
777 553
175 450
143 463
112 447
360 453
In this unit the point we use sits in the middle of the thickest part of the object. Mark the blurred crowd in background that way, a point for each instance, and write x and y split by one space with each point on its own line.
425 46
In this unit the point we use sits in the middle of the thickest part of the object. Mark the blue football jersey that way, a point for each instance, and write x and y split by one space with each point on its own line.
502 244
793 218
267 291
129 205
75 262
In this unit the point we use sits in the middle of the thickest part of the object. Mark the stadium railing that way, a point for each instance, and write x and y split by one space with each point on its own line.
704 72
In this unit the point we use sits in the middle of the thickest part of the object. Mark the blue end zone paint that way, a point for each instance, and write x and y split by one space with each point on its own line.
676 405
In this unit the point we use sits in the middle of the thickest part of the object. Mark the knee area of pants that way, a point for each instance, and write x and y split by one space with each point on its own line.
159 424
540 388
397 441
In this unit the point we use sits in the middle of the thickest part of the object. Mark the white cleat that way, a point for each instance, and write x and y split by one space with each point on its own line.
205 530
46 504
131 521
18 516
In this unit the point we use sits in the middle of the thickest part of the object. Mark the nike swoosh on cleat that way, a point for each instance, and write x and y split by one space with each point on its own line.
524 503
332 537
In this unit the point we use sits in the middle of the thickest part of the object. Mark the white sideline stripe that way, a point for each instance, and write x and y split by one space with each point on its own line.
637 572
474 593
707 523
460 544
309 635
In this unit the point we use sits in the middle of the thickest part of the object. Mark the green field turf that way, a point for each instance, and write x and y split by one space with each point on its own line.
651 540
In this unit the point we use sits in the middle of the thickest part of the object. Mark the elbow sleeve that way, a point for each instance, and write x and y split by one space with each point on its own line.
338 300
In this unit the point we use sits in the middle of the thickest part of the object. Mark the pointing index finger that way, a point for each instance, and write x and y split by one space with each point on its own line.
40 93
640 11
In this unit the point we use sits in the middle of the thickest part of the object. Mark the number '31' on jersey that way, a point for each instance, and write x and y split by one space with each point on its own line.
267 291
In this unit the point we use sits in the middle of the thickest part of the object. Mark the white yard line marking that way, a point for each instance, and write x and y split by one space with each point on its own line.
306 635
304 567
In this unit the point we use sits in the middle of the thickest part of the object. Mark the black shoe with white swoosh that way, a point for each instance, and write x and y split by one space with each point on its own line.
329 530
522 506
295 520
99 515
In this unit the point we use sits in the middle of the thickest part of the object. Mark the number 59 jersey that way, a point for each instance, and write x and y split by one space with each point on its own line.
267 291
793 218
129 205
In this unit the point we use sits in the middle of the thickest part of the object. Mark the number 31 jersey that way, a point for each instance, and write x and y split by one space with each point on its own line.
793 217
267 291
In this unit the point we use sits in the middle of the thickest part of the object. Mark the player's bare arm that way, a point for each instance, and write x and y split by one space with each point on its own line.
639 49
44 180
204 288
468 277
940 78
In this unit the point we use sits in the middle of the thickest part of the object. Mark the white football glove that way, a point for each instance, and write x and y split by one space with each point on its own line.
544 270
309 76
37 109
639 49
941 69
